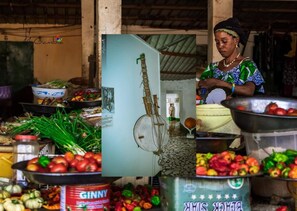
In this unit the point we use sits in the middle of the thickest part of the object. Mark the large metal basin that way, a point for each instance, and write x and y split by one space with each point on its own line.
254 120
214 142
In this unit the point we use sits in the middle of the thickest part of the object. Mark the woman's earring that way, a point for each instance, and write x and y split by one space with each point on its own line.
237 45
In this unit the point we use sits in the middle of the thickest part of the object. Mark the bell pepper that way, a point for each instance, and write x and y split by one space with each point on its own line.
242 172
293 173
137 208
44 160
233 172
238 158
127 193
200 170
155 200
267 164
147 205
208 155
280 165
290 153
282 208
279 157
285 172
274 172
251 161
155 191
254 169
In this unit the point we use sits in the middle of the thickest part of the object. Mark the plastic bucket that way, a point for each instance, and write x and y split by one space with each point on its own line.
215 118
91 197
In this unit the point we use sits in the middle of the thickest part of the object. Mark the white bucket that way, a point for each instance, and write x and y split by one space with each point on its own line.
215 118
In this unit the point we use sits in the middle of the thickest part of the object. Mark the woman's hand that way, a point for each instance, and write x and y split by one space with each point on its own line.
246 89
209 83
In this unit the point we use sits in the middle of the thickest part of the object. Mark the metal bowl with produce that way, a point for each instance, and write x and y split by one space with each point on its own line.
85 98
249 113
68 178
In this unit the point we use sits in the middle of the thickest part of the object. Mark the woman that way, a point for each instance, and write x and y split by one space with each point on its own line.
235 74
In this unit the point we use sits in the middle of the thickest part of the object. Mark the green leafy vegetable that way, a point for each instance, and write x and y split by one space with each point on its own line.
69 132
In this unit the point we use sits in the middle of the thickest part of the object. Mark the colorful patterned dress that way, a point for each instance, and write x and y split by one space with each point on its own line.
244 72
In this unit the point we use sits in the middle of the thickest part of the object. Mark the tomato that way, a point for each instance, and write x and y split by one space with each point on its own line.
282 208
60 159
198 97
91 167
291 110
271 107
92 160
33 160
292 113
89 155
280 111
241 107
33 167
69 156
43 170
51 164
58 168
78 157
73 163
99 169
82 165
98 158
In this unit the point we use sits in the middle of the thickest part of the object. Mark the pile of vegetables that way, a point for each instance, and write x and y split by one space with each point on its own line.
131 198
86 95
69 132
226 163
12 198
69 162
281 164
55 84
273 108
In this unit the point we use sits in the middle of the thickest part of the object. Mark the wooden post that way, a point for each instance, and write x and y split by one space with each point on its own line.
109 21
87 35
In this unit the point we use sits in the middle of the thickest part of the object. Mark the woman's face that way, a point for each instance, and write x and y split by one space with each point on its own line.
225 43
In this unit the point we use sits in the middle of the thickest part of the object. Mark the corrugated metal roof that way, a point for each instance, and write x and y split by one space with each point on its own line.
178 55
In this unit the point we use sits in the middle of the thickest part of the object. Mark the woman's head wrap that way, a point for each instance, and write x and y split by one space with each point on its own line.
232 27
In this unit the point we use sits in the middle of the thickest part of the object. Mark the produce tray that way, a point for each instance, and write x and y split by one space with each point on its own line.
39 110
69 178
227 177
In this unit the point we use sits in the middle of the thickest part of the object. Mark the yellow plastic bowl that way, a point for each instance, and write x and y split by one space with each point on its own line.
215 118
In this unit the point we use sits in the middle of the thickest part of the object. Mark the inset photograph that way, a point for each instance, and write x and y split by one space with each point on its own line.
148 110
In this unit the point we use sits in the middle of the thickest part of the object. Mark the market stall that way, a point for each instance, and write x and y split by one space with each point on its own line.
266 165
52 156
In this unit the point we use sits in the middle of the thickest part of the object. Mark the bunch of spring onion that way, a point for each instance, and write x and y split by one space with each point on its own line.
68 132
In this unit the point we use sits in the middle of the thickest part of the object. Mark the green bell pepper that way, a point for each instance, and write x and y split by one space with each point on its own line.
279 157
155 200
268 163
44 160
